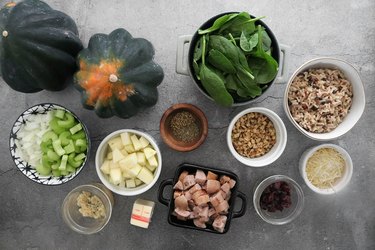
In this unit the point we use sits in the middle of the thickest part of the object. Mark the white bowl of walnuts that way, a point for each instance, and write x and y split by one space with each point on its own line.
128 162
256 137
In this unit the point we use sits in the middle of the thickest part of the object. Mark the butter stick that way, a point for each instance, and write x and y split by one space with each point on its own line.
142 213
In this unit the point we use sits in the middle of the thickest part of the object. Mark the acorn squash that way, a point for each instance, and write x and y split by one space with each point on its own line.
38 46
117 75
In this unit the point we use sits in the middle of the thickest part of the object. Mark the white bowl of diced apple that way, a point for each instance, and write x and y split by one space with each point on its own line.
128 162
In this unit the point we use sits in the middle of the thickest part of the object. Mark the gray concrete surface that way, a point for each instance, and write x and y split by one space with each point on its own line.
30 213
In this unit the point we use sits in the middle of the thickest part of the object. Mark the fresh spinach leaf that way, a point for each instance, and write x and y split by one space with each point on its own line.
196 68
241 23
215 86
262 64
220 61
266 40
226 47
198 50
231 83
246 44
218 23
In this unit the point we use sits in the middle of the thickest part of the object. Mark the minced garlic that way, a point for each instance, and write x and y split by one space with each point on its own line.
90 205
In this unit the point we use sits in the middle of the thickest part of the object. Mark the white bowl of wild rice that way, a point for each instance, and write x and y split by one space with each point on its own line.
324 98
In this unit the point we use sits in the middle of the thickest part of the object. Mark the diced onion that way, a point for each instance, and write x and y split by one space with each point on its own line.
325 167
29 138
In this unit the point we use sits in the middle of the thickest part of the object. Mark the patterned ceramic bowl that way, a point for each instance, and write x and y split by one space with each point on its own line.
28 170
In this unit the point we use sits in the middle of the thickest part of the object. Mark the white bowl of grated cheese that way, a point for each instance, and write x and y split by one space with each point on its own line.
324 98
326 169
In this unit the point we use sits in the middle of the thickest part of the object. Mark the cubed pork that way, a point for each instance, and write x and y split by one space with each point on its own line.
219 223
216 199
222 208
211 176
178 186
225 187
181 202
187 195
176 194
200 177
224 179
199 223
183 175
196 187
213 186
188 181
232 183
181 212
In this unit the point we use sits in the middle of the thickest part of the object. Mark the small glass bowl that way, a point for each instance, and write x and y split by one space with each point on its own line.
288 214
74 219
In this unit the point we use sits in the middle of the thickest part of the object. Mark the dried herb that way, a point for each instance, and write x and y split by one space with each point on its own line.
184 127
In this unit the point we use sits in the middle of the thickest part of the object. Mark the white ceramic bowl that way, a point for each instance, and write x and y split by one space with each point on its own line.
341 183
101 153
276 150
358 101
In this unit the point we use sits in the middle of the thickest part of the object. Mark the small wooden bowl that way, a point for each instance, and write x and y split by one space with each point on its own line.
165 130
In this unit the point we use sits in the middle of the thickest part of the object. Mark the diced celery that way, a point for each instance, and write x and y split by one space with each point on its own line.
81 149
45 161
57 147
68 122
80 142
72 162
55 166
56 173
64 138
69 148
55 127
43 170
64 172
59 113
52 156
49 135
45 146
79 135
63 162
79 157
75 129
70 169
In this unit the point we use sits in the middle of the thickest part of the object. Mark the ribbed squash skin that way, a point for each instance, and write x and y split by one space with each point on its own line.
40 48
117 75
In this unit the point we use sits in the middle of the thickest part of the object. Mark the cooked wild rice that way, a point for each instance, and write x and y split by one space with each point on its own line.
319 99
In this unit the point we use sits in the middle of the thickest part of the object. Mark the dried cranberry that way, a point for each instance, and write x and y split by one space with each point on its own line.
276 197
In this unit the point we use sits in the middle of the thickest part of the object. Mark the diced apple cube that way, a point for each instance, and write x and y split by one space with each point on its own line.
105 167
134 171
125 138
122 183
136 144
149 152
116 175
151 168
130 183
115 143
138 182
129 161
126 174
124 152
113 165
110 155
145 175
152 161
141 158
144 142
117 155
129 148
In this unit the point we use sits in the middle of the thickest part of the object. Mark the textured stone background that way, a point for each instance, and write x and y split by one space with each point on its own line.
30 213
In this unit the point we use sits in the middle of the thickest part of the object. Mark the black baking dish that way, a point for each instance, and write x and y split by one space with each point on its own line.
189 224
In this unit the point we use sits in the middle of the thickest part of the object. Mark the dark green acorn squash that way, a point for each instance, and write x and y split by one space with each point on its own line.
117 74
38 46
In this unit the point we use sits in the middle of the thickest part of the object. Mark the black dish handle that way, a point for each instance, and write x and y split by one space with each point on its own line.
242 211
163 184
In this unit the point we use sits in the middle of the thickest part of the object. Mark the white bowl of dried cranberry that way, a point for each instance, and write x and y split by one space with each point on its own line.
324 98
256 137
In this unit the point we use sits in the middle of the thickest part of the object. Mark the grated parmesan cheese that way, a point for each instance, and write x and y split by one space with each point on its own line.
325 167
